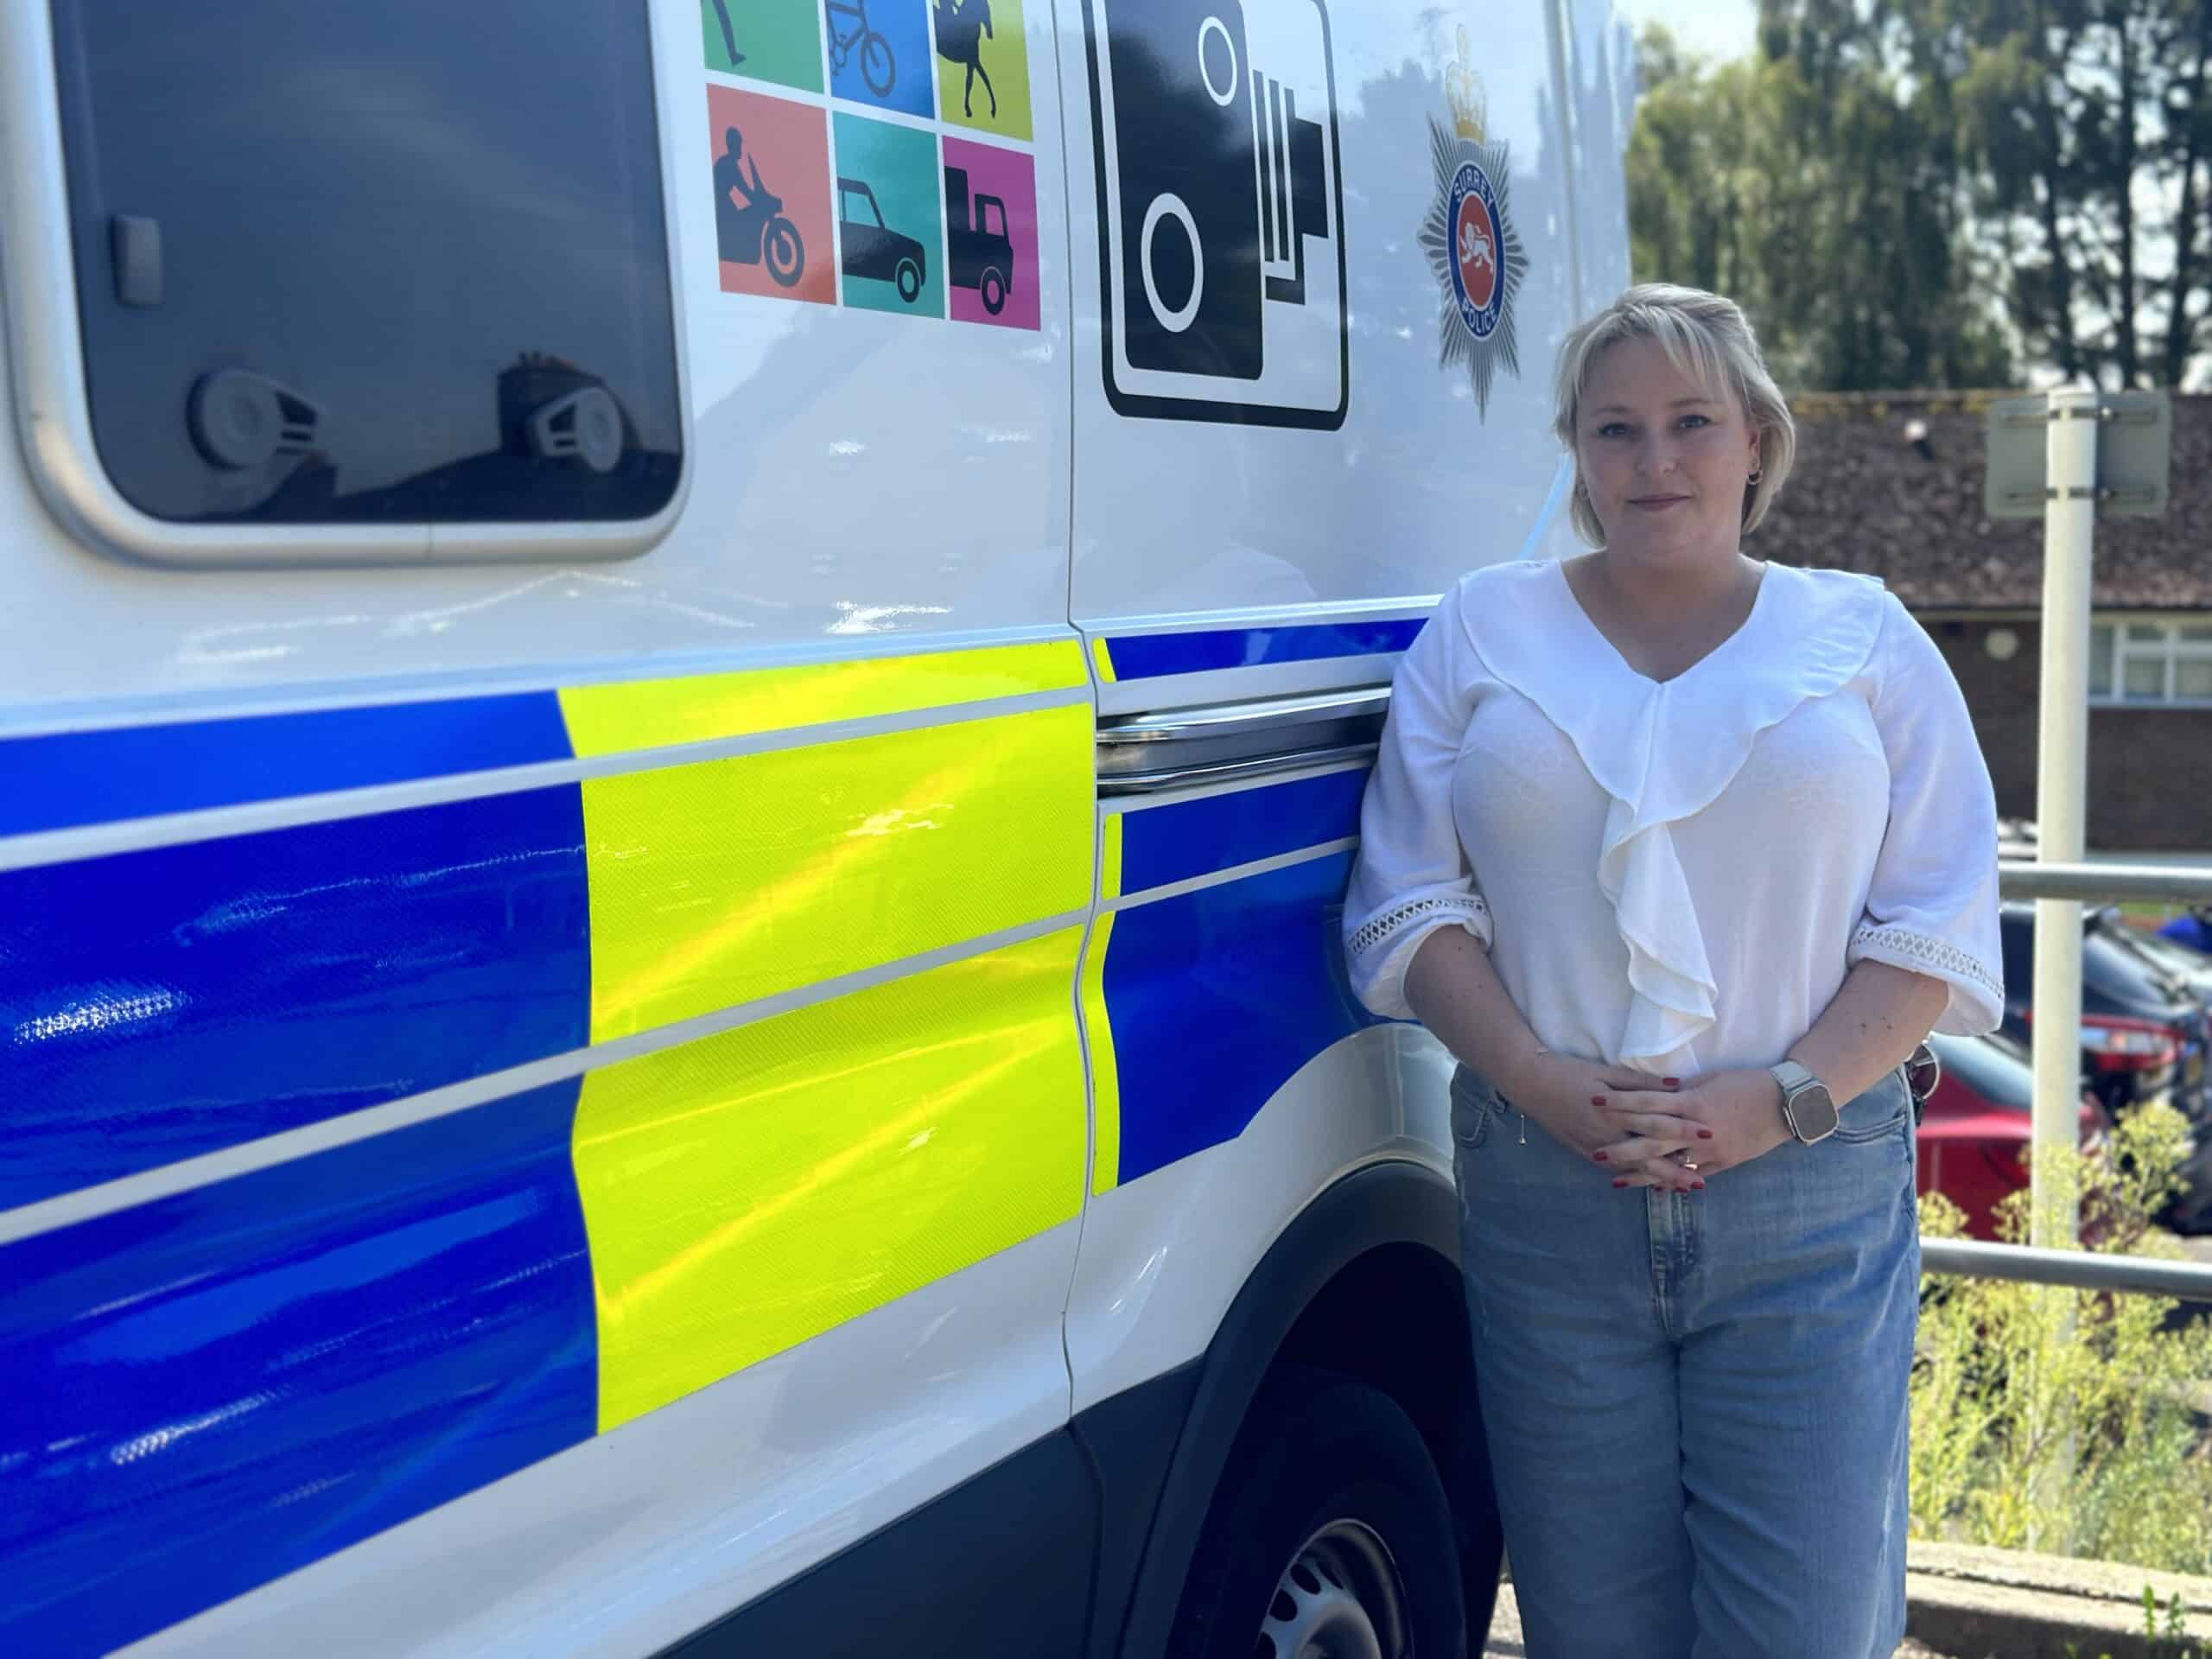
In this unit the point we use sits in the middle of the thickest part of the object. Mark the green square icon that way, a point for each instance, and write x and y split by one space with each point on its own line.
890 218
774 40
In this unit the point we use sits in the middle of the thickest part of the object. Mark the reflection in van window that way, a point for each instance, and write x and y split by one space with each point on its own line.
395 263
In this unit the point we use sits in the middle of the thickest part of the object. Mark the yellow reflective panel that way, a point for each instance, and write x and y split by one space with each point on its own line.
651 714
718 882
749 1191
1101 655
1105 1078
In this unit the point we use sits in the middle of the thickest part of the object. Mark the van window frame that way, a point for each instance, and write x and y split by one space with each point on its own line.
53 409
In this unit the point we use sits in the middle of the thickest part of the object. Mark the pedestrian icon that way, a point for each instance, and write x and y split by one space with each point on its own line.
983 65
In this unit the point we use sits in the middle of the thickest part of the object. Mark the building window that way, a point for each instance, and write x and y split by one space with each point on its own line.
2134 663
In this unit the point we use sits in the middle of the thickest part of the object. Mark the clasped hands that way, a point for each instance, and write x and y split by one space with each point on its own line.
1655 1132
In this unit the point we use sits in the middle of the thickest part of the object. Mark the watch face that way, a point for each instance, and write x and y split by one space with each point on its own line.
1812 1112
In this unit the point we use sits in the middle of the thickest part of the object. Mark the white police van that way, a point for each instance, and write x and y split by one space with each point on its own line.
683 690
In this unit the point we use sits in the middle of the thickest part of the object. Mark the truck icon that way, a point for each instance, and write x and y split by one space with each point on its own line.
979 253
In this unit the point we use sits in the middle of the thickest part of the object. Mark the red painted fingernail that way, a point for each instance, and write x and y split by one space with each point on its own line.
1705 1134
1697 1186
1620 1183
1598 1157
1597 1100
1671 1083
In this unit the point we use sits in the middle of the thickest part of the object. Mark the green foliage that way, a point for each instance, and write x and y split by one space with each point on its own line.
1807 197
2069 1420
1922 194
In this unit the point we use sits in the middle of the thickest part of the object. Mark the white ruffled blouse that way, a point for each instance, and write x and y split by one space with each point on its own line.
1676 876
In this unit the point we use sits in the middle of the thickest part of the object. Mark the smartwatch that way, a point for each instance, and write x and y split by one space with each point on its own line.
1807 1106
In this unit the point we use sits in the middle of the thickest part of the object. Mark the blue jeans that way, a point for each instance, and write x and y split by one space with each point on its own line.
1695 1402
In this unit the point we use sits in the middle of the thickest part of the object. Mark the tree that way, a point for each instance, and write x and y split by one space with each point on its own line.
2074 133
1805 183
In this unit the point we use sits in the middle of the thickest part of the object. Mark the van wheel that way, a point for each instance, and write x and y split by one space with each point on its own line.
993 288
1330 1536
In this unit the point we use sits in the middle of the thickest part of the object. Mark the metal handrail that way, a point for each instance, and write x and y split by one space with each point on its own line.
2188 1281
2099 883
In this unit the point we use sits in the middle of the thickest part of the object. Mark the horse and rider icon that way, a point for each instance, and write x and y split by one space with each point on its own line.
750 224
962 28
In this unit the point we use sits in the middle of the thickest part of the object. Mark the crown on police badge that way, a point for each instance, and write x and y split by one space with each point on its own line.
1462 88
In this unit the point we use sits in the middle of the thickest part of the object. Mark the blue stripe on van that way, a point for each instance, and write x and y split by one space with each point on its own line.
1148 656
212 1390
1216 998
1162 844
66 779
157 1005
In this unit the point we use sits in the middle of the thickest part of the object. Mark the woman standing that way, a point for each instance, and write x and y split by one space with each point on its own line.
1682 854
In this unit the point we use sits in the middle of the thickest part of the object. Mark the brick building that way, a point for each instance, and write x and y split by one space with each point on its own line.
1891 486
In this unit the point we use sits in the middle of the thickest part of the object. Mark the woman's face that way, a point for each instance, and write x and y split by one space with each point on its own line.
1663 456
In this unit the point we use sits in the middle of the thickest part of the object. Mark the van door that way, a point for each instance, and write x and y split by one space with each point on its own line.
539 906
1323 252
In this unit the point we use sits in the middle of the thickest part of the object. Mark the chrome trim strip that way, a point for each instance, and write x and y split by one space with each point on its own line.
1226 772
1235 719
49 1214
38 293
1154 751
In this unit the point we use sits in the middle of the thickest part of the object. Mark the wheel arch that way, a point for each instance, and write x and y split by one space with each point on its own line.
1365 1280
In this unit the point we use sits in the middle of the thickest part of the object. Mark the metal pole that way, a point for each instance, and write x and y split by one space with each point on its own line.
2061 788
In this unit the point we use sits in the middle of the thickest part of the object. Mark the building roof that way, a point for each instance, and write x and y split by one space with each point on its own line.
1863 497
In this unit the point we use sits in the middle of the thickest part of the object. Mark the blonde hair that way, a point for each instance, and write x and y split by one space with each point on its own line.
1704 336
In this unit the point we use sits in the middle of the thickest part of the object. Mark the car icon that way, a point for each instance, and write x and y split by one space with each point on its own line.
872 248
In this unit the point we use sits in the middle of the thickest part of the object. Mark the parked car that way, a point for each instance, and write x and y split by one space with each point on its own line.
2191 929
2144 1032
1978 1125
2175 955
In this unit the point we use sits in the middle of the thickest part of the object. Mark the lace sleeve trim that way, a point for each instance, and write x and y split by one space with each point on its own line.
1920 951
1467 909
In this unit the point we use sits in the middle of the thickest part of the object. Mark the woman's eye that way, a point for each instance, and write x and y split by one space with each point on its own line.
1611 429
1697 419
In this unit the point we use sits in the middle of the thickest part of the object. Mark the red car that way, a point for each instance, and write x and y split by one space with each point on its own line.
1980 1122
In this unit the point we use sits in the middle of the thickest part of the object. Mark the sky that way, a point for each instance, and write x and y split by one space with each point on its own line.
1713 29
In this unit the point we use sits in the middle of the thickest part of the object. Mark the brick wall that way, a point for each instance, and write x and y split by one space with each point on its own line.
2150 769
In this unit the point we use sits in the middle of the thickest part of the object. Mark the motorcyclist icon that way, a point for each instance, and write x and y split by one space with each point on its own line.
750 224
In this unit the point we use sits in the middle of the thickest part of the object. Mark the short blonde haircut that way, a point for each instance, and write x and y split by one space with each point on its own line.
1706 337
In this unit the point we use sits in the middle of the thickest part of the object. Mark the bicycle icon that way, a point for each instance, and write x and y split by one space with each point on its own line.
878 67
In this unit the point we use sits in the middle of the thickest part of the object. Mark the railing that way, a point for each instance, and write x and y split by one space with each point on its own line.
2188 1282
2150 884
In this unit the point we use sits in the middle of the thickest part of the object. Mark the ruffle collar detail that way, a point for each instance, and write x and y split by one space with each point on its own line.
1663 751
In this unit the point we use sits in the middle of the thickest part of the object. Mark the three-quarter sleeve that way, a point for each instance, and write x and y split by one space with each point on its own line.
1413 876
1931 907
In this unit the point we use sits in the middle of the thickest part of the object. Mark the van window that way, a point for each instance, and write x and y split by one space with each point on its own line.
400 262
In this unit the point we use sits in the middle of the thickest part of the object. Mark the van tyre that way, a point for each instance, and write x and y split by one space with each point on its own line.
1330 1537
993 290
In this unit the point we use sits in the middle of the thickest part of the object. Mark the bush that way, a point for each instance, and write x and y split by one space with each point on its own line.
2012 1383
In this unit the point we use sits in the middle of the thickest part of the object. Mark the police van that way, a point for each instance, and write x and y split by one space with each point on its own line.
684 691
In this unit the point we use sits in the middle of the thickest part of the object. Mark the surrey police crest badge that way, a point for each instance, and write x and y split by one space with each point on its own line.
1469 241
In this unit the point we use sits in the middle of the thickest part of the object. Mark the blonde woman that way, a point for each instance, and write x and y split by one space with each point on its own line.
1681 853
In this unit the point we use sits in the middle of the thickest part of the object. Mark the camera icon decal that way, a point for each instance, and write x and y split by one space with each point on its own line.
1221 210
